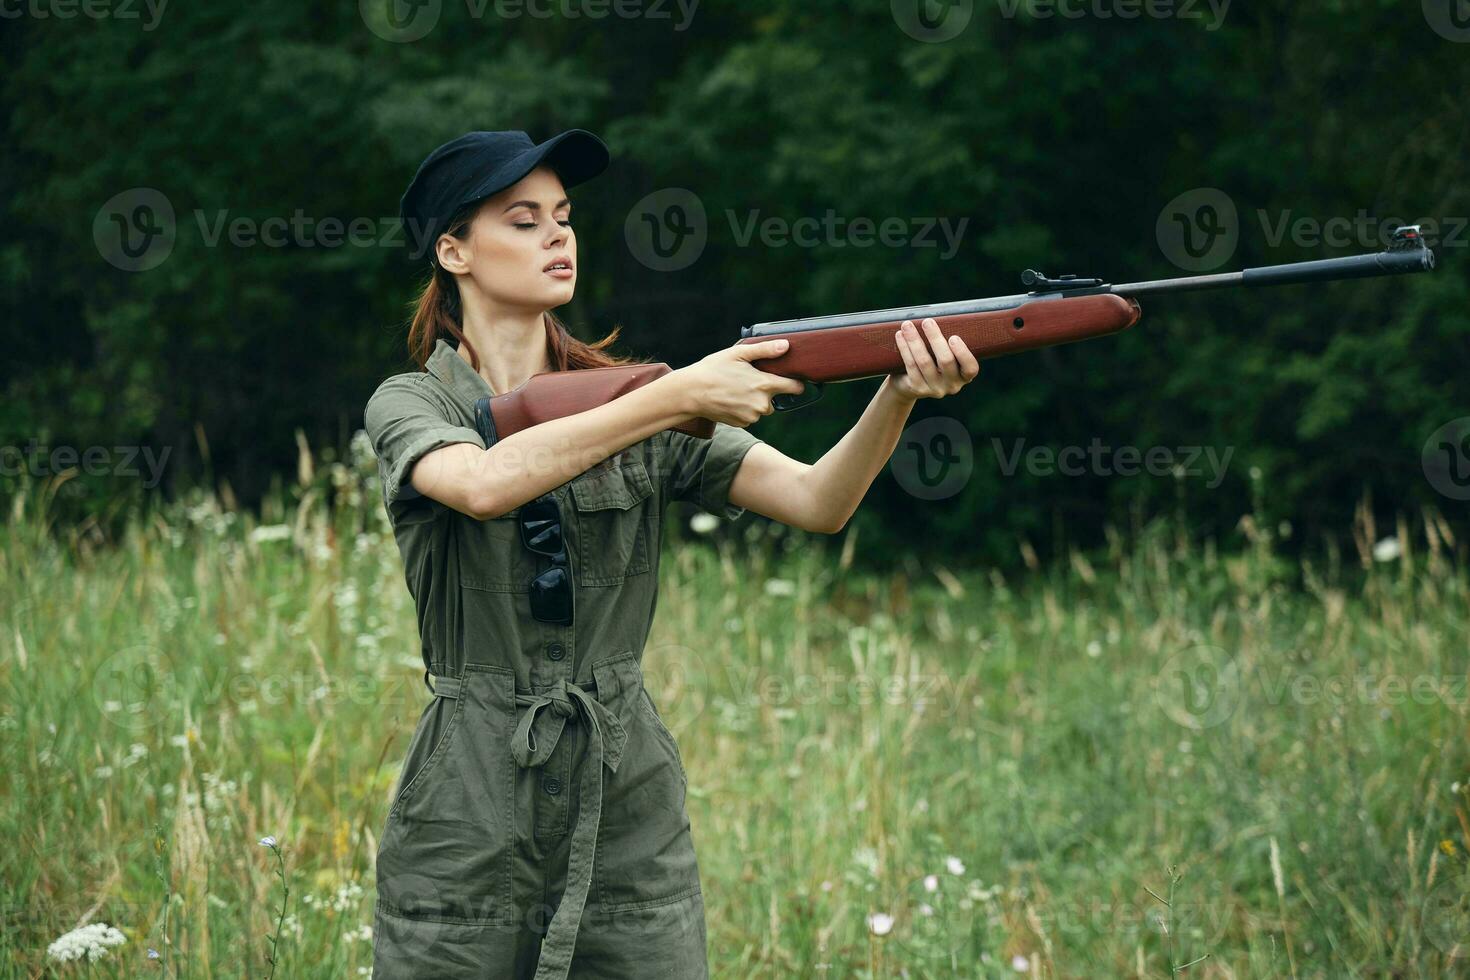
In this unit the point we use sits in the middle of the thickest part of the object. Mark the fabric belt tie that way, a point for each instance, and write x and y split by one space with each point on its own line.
536 735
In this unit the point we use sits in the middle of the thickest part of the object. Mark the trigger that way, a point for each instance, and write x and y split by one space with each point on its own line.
786 403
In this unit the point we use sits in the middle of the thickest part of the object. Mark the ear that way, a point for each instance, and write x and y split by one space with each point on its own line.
452 254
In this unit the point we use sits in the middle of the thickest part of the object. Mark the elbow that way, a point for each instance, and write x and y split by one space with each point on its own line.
485 505
831 527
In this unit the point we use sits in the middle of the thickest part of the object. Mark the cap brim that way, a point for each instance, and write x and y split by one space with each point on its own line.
576 155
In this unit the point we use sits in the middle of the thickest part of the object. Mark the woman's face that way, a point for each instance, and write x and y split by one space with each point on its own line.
521 252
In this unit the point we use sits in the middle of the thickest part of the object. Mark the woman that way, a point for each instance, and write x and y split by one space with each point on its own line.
542 797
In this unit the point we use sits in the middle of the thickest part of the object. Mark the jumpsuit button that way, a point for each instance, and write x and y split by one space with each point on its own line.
555 651
552 785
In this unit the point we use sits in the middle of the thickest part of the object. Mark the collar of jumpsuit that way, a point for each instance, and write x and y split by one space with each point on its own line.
540 727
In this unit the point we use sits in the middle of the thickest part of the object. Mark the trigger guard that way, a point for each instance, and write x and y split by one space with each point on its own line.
786 403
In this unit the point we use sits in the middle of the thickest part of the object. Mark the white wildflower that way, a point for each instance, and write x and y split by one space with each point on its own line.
880 923
1387 550
931 883
780 586
271 532
703 523
955 865
360 451
92 941
1020 964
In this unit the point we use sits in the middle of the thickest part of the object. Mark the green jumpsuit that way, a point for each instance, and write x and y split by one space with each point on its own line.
542 797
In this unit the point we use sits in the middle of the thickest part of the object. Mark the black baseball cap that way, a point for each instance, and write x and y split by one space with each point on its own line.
476 165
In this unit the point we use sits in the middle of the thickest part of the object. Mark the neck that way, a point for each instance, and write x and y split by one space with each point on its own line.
511 344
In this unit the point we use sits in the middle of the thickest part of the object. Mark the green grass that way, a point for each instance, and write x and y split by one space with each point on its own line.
1065 750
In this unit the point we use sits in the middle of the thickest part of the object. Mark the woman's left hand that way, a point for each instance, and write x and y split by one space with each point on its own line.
945 371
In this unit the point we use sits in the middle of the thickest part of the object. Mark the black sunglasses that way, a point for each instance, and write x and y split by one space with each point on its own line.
540 522
551 591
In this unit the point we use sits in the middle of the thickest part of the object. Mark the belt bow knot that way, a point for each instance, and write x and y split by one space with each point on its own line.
547 714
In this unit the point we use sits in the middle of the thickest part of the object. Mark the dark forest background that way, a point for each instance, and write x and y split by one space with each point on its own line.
1063 142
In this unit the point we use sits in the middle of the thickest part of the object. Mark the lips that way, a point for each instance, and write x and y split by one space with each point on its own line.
561 268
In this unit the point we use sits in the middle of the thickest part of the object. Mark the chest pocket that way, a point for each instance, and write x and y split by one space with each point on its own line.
491 555
611 506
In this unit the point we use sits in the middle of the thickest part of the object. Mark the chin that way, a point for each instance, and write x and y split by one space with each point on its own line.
561 294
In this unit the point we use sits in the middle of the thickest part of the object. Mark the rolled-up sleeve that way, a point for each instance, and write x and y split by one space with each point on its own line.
405 421
701 470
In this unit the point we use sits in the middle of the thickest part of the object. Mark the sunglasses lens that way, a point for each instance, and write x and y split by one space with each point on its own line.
541 528
551 596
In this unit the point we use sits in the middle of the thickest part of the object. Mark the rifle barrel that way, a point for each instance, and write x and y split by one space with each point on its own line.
1390 263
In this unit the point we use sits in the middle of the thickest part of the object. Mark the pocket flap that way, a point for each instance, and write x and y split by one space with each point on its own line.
617 483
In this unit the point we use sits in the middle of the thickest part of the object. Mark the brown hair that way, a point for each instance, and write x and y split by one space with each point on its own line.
437 315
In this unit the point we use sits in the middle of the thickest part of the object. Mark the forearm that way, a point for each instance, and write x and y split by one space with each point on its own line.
836 483
539 458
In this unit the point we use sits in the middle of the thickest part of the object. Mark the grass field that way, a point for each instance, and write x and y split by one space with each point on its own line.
1152 757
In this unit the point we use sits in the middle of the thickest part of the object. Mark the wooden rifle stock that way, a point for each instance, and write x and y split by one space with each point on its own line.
555 394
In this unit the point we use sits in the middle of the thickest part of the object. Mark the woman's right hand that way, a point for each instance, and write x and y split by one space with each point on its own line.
727 387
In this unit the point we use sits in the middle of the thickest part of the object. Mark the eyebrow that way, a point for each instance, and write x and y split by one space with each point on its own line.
564 202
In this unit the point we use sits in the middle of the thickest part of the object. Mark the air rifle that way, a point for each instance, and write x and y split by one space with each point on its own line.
849 346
